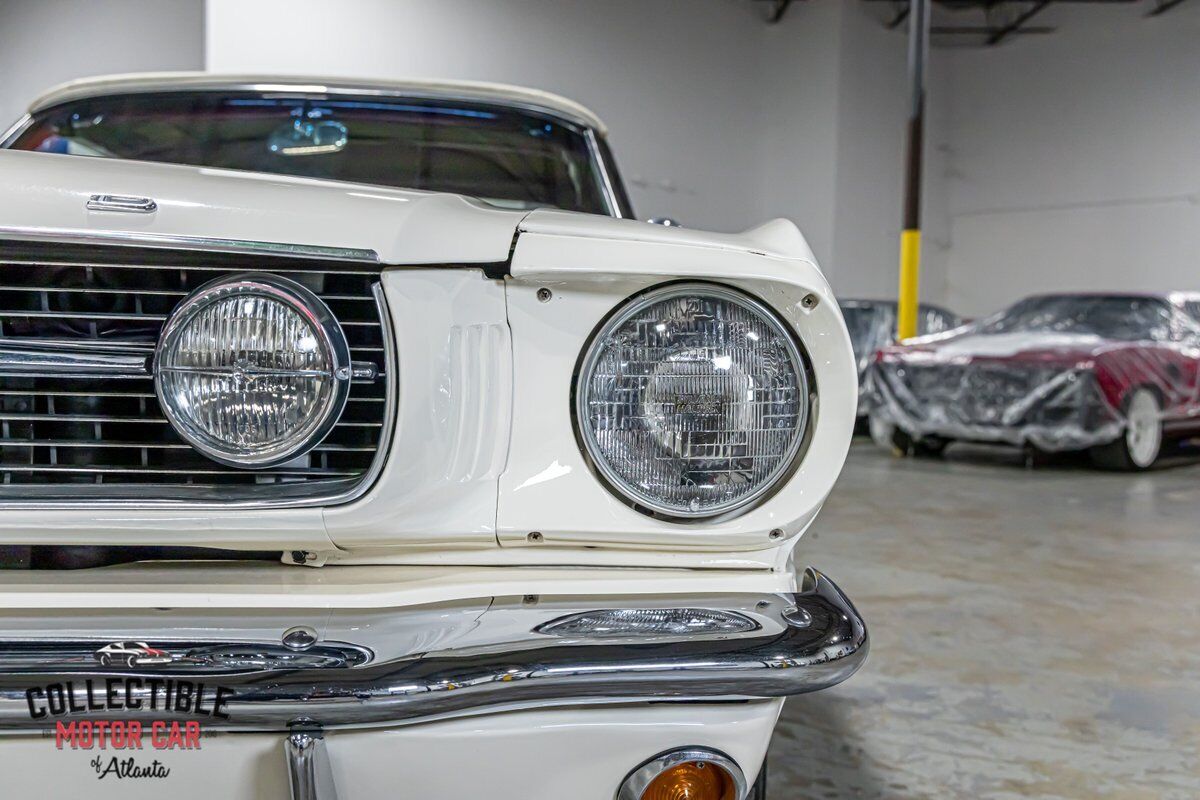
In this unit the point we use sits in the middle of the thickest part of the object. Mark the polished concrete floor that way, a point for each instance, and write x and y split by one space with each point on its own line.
1035 633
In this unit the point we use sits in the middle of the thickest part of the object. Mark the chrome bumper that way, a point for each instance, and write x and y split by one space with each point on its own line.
800 643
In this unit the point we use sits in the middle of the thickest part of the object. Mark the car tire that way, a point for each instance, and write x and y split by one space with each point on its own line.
1141 443
891 438
130 661
105 660
882 432
758 790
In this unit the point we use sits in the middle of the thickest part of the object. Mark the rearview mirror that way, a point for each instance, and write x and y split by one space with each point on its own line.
303 138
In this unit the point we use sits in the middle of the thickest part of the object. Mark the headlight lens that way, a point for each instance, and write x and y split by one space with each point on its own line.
252 370
692 400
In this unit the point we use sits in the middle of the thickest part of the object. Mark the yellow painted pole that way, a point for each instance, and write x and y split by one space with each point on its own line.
910 270
908 301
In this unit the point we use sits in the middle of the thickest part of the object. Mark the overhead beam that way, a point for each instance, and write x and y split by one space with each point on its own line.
901 15
1163 6
1016 24
984 30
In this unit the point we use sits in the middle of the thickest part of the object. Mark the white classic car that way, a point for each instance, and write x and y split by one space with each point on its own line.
481 486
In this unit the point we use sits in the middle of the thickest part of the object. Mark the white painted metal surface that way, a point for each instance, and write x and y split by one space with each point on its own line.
454 414
528 755
485 451
592 265
48 192
249 585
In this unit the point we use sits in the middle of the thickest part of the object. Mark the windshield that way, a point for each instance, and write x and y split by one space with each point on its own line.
1111 317
508 157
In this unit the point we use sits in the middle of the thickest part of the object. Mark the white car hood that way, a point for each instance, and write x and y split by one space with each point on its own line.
779 238
964 347
48 193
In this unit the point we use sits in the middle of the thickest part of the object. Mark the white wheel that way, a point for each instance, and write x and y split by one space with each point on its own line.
1141 443
1143 428
882 432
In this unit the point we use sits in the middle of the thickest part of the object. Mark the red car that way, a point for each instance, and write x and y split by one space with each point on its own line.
1113 374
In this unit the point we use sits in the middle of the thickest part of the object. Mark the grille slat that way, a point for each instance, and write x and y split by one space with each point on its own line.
107 434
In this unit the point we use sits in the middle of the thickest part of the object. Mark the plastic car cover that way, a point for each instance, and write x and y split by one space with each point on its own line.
1054 372
872 325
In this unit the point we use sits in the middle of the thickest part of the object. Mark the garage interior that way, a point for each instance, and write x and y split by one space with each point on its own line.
1033 618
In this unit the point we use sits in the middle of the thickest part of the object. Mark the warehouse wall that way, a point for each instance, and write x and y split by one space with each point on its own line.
674 79
836 94
49 41
1076 157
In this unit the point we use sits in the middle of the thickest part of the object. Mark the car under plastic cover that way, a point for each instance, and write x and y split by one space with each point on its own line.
1054 372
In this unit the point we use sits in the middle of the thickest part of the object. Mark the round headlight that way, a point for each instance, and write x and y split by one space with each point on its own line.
253 370
692 400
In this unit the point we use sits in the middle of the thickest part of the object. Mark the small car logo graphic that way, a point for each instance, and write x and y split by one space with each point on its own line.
131 654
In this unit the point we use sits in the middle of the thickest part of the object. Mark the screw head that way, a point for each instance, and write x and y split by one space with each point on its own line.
809 301
544 295
300 637
535 537
776 534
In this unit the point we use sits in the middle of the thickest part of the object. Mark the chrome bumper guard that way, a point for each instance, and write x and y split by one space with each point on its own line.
795 643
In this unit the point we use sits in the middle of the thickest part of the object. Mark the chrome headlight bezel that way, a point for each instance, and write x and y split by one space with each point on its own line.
330 339
591 450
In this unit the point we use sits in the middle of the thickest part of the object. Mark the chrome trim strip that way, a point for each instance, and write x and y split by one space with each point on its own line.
44 359
807 641
606 183
323 90
640 779
15 130
310 774
82 656
180 242
121 203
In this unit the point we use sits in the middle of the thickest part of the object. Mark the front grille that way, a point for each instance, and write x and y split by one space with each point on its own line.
974 394
87 437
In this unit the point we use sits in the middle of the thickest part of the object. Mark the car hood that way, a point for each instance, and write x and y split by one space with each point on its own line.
1032 348
47 194
778 238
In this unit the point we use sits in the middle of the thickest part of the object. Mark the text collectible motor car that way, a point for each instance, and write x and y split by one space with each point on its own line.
474 486
1116 375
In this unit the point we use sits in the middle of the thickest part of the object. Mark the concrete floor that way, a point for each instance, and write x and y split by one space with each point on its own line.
1034 633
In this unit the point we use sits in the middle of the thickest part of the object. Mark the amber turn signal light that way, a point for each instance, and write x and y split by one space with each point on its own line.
693 780
688 773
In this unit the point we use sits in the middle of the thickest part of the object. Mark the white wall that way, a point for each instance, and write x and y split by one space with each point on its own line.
835 95
1076 157
45 42
674 79
798 97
